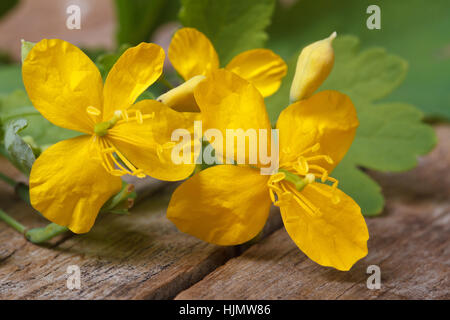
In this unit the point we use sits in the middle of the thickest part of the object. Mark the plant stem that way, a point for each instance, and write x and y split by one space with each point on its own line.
8 180
40 235
12 222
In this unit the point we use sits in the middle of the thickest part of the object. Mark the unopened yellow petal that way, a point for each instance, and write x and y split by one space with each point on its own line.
224 205
228 102
328 118
137 69
313 66
182 97
148 145
336 236
262 67
62 82
69 185
192 54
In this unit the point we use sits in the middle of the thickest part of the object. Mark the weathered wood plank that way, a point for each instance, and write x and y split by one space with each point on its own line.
138 256
410 243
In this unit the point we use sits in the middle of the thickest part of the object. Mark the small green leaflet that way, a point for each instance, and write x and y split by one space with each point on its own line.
19 152
391 135
232 26
25 49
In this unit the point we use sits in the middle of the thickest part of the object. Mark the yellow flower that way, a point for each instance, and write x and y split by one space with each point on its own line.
71 180
194 57
229 204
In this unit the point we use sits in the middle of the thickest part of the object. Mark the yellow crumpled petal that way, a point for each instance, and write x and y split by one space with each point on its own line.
192 54
262 67
139 143
182 97
328 118
62 82
229 102
213 207
137 69
338 238
69 185
313 66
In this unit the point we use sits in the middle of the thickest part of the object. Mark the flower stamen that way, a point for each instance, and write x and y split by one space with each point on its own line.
93 111
139 117
109 153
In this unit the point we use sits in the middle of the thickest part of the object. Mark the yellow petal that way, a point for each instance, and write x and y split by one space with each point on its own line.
262 67
328 118
337 237
182 97
192 54
62 82
69 185
137 69
147 144
224 205
228 102
313 66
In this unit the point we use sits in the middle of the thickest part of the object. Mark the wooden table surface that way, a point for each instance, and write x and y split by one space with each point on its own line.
143 256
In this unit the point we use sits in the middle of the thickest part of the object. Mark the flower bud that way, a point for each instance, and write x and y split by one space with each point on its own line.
313 66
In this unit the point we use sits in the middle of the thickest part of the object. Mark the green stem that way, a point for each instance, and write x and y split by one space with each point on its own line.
12 222
40 235
8 180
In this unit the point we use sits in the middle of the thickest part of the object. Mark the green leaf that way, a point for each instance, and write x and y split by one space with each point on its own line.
232 26
365 191
414 29
19 152
390 138
138 19
369 76
25 49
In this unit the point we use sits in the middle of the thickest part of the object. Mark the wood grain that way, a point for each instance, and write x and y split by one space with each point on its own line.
141 256
410 244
